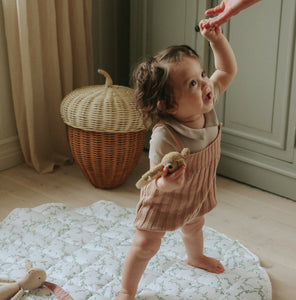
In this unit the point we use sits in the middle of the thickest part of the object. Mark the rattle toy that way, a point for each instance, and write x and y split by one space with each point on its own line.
34 278
173 160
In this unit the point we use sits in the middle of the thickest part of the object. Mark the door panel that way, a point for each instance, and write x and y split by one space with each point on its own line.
255 110
162 29
171 28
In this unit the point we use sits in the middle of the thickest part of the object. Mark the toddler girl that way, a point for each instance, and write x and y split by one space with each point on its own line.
174 92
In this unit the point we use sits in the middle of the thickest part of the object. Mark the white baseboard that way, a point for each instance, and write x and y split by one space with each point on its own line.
10 153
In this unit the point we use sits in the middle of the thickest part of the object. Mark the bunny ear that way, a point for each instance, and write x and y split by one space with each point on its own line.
28 265
185 152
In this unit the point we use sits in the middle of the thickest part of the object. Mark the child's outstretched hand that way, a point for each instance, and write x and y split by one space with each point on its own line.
170 182
211 33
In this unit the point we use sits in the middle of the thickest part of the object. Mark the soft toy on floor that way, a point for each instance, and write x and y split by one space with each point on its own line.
34 278
15 289
173 160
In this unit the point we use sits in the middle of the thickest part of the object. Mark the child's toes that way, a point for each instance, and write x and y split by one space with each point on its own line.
219 268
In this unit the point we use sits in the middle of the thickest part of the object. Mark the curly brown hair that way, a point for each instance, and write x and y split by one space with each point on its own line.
152 85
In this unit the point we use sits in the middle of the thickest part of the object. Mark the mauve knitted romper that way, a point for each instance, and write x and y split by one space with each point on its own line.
161 211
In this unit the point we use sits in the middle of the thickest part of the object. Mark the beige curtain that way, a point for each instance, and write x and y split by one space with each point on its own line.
50 53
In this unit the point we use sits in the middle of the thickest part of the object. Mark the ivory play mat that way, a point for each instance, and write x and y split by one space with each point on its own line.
83 250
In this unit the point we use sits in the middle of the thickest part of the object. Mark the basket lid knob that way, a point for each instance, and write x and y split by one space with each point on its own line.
108 82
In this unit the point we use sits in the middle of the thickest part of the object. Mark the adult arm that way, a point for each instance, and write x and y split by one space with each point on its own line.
225 10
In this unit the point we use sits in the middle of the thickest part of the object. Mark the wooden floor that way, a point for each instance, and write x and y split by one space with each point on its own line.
264 223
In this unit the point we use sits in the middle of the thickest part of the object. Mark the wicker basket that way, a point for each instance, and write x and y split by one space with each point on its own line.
105 131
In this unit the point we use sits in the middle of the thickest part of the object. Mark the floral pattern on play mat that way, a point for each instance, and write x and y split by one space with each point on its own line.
83 251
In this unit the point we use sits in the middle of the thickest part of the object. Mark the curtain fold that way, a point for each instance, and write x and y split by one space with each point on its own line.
50 53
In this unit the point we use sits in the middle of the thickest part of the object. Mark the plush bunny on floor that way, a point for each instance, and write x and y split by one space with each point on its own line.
34 278
173 160
15 289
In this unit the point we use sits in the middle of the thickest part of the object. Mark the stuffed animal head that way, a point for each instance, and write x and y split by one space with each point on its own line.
175 160
33 279
172 160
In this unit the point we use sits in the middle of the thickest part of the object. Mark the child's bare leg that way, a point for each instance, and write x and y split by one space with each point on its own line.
144 247
192 236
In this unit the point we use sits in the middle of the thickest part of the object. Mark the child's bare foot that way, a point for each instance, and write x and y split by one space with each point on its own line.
123 296
209 264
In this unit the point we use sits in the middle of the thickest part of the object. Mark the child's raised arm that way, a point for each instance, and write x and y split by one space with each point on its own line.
225 62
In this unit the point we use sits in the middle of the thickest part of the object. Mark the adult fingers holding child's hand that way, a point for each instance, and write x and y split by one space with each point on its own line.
226 9
211 33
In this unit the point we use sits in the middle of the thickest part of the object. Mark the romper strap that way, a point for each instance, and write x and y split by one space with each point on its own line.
173 133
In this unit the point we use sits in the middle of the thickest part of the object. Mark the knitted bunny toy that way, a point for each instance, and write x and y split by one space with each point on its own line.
172 160
34 278
15 289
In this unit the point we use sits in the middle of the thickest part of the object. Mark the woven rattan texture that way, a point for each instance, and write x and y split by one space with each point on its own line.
102 109
106 159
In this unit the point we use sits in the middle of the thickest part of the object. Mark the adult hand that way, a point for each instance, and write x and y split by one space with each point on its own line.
225 10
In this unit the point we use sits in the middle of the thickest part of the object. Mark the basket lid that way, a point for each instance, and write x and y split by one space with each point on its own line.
102 108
